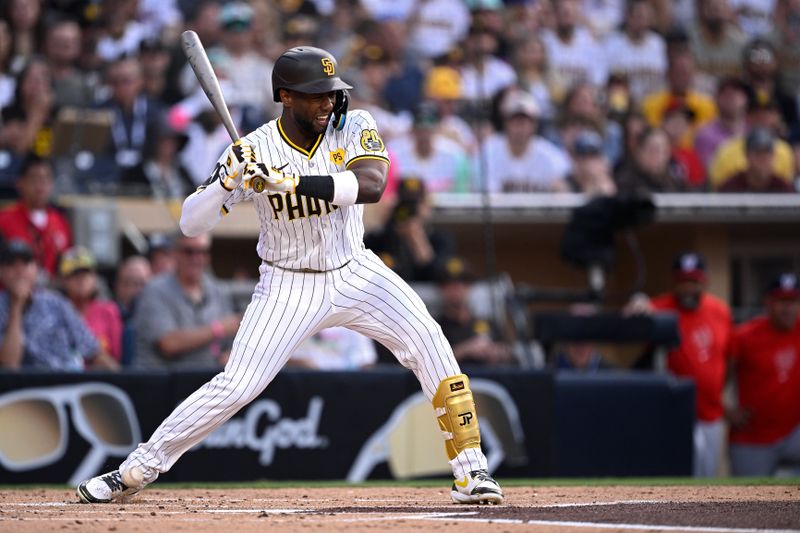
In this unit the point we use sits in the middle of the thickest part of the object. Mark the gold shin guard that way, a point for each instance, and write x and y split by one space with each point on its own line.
455 411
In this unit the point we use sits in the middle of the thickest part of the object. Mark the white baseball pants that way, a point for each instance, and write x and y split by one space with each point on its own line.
287 307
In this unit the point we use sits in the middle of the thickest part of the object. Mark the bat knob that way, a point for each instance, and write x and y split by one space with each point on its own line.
259 184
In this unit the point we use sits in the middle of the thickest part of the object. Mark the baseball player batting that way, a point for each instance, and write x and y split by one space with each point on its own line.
316 165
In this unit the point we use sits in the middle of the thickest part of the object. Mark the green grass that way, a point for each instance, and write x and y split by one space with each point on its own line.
508 482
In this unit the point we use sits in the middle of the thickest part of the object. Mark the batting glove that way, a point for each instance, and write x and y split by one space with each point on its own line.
262 177
238 156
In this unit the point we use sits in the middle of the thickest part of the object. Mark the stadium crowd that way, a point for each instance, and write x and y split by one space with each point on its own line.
533 95
601 98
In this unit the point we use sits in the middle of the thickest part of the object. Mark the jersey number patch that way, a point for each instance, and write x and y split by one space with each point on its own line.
370 140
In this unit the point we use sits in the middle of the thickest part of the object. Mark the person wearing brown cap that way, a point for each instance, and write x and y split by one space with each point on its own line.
759 175
765 416
706 327
38 327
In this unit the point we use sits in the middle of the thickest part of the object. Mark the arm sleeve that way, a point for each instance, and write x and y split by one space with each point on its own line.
204 208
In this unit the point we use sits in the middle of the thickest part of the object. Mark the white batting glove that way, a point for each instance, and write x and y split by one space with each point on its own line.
238 156
262 177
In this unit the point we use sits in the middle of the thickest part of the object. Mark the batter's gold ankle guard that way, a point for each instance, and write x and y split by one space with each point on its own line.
455 411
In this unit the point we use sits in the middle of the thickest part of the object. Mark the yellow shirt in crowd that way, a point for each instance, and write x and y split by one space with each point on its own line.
730 159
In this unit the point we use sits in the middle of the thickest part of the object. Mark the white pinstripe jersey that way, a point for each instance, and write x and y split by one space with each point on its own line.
297 231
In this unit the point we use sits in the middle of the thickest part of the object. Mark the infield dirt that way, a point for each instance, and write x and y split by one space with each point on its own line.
399 509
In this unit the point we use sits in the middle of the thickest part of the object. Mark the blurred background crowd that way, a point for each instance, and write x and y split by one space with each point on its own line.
600 97
519 95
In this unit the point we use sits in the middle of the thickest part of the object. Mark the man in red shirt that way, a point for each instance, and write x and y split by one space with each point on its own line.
32 219
765 422
705 326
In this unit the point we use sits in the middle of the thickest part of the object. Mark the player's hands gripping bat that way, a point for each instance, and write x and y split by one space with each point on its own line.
198 60
274 179
237 157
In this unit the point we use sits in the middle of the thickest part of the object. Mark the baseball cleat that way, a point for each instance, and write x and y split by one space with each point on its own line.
477 487
105 489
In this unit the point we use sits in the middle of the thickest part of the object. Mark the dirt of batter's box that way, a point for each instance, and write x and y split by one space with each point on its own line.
561 509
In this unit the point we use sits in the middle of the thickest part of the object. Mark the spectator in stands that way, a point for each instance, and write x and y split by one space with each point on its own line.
794 141
62 48
32 218
407 243
437 26
785 38
535 75
652 168
761 72
164 170
633 124
584 103
442 87
572 50
133 274
250 73
374 68
519 160
591 170
483 74
759 175
579 356
184 319
154 59
7 81
677 123
335 349
203 18
161 253
161 18
121 33
439 162
705 327
765 417
25 18
38 327
27 120
134 131
716 41
638 52
754 17
732 99
474 340
80 285
731 157
681 80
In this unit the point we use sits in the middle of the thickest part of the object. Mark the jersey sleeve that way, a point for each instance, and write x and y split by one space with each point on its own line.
362 139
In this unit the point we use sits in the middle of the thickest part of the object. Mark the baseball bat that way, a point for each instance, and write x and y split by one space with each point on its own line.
198 60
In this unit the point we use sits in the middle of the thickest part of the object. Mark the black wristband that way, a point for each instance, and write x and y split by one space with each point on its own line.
316 187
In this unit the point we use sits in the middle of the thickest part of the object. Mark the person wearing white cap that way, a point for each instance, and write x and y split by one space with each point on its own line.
517 159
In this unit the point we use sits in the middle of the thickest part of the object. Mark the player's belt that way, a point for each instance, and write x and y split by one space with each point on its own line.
305 270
